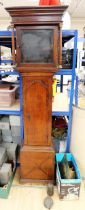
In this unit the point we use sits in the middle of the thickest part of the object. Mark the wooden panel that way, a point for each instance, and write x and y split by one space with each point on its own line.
37 163
37 102
60 46
40 15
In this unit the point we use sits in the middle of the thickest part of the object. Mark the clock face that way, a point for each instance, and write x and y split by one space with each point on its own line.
36 45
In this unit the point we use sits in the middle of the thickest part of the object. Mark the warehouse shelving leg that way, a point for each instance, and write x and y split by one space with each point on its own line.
76 91
72 93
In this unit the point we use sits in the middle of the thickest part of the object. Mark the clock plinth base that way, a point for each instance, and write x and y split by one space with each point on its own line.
37 164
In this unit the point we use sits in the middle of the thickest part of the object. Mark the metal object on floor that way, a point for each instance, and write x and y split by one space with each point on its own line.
48 202
50 189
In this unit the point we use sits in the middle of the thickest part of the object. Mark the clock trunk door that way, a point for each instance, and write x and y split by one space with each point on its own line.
37 108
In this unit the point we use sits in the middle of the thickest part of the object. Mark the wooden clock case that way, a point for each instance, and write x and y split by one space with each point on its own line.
41 26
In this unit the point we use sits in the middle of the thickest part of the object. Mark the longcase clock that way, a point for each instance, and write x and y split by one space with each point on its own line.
38 56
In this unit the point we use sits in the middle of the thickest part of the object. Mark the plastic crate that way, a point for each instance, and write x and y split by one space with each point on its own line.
68 189
7 96
59 145
4 191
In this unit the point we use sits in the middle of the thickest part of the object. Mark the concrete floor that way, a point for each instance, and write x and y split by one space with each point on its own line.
31 197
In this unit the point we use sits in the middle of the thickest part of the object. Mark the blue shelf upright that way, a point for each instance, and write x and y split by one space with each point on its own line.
66 36
72 91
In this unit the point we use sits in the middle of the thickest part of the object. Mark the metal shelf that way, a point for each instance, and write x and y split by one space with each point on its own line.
9 112
64 72
66 36
60 113
5 39
6 33
6 61
15 108
60 104
9 72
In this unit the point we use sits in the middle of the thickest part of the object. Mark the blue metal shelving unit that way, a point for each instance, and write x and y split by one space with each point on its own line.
6 40
77 80
67 35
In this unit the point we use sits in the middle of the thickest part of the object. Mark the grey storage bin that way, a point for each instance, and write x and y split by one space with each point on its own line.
6 132
7 138
59 145
15 130
14 120
16 139
11 150
5 173
3 155
7 135
4 123
0 136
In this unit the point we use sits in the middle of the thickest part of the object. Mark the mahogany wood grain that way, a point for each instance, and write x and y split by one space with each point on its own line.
37 163
37 107
50 15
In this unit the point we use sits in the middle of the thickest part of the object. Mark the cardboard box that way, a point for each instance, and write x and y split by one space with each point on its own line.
68 189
